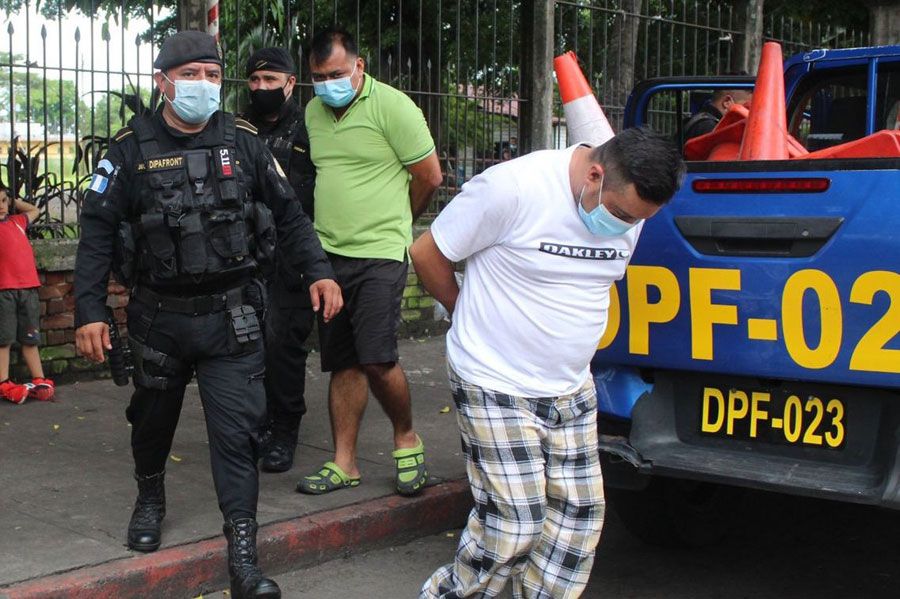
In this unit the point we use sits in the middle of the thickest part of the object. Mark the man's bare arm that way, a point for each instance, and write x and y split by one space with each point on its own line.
435 271
426 178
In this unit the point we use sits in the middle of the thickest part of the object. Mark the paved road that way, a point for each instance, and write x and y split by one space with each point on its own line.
783 547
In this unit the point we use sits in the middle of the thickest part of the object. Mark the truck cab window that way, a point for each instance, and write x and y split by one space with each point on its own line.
832 110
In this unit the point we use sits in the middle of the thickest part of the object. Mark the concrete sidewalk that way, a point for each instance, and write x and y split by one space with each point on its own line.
66 491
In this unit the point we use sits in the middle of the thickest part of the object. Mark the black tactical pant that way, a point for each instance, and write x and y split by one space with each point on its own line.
230 380
289 321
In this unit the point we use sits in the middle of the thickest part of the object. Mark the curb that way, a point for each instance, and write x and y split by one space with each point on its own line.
196 568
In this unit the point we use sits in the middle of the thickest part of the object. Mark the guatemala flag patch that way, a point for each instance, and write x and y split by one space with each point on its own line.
99 182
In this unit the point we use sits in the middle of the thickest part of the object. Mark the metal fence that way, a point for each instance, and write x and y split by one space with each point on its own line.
621 42
68 81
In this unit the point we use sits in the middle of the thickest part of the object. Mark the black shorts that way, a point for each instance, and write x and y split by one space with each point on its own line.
365 331
20 317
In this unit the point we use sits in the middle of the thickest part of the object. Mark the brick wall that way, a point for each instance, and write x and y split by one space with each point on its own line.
56 262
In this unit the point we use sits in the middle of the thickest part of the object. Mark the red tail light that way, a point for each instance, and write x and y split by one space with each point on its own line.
793 185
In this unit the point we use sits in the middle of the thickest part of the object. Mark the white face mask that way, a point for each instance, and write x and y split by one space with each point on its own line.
600 221
195 100
337 93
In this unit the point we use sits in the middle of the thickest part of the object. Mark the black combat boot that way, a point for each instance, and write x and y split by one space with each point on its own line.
148 514
247 581
278 454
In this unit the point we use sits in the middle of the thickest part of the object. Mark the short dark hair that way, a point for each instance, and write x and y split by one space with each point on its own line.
322 44
721 93
644 157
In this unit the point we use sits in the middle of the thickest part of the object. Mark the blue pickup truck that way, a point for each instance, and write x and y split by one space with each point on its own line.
755 340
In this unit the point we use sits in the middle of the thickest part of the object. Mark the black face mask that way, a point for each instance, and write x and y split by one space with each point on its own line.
267 101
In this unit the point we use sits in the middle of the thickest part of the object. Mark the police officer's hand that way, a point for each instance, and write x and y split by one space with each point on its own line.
91 339
326 294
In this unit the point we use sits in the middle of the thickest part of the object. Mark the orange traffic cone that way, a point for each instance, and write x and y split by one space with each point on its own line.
702 147
735 113
881 144
765 137
795 148
585 120
729 131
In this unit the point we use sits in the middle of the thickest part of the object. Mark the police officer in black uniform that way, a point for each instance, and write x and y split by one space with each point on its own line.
185 207
708 116
289 319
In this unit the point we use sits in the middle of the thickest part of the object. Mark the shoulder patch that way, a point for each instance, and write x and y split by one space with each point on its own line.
122 133
245 125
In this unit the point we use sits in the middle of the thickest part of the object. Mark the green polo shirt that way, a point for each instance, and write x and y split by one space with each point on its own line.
362 185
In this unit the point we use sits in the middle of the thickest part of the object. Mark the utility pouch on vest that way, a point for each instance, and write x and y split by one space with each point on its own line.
229 194
228 234
198 169
159 239
193 244
245 324
167 186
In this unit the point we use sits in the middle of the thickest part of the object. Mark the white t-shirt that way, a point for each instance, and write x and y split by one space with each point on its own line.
533 304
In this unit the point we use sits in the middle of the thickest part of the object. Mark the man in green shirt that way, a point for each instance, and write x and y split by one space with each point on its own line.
376 169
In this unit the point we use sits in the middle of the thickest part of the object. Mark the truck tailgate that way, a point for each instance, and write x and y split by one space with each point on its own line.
782 270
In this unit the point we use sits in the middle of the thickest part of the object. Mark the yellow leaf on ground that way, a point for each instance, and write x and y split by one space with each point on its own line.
175 458
56 427
445 409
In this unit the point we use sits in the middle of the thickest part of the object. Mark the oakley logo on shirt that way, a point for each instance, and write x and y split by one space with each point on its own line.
585 253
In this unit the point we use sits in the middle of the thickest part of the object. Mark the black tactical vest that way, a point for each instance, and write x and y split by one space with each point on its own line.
196 221
281 142
694 120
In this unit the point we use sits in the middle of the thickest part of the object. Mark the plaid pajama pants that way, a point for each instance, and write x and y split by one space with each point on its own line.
534 469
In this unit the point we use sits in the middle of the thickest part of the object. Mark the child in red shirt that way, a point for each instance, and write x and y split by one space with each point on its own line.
19 306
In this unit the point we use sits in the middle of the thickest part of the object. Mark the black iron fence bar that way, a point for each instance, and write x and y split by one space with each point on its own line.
44 91
27 86
11 175
471 102
62 154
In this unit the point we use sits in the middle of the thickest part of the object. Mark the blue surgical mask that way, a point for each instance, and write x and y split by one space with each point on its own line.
600 221
337 93
195 100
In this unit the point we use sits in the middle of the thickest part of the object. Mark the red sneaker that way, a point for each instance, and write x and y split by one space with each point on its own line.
13 392
41 389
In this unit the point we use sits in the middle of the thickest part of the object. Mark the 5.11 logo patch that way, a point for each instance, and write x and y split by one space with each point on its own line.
225 163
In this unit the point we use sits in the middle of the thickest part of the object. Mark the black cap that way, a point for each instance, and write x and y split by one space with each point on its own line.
185 47
271 59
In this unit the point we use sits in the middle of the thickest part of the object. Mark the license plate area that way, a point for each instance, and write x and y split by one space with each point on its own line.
780 416
829 423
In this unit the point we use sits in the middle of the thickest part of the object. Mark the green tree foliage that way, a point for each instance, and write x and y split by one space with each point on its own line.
111 112
120 12
846 13
31 94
